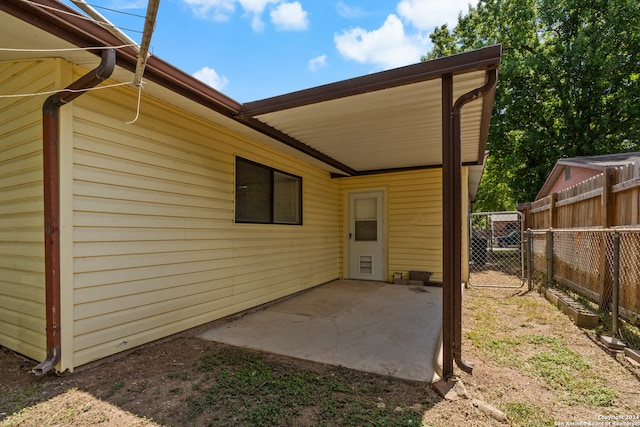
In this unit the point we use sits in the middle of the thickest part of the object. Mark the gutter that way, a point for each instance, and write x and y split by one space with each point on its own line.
51 170
452 230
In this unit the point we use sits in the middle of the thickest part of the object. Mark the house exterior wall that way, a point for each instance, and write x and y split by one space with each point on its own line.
155 247
22 295
578 175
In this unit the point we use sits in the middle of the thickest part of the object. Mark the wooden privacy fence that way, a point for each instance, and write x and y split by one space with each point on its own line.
586 239
609 199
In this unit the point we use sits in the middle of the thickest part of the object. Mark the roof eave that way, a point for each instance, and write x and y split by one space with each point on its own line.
480 59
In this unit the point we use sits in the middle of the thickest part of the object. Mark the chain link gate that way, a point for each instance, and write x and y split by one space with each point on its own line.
497 249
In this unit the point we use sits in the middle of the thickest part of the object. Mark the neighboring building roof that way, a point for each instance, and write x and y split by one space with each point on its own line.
383 121
597 163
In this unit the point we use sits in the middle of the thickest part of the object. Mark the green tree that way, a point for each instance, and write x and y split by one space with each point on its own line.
568 86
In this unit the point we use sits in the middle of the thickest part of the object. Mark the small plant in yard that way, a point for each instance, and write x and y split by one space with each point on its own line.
117 386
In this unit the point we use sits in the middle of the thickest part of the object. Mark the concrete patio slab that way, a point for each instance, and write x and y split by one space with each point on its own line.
369 326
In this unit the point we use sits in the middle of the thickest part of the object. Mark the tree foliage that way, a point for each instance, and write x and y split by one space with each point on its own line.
569 85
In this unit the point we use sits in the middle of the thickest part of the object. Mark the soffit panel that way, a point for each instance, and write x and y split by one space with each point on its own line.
391 128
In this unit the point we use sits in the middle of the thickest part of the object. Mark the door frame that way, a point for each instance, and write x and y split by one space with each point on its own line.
346 242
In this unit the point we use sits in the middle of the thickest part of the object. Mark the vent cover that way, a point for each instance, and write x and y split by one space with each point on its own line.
366 264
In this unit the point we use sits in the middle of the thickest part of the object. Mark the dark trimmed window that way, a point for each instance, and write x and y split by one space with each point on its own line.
267 196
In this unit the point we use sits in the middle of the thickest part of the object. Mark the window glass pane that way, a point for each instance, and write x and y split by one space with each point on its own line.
253 192
366 208
286 198
267 196
367 231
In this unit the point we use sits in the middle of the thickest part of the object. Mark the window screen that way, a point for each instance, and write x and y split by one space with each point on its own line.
267 196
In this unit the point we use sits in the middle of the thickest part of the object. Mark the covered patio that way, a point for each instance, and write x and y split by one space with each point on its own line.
369 326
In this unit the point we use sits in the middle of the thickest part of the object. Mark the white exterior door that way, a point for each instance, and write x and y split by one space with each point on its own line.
366 236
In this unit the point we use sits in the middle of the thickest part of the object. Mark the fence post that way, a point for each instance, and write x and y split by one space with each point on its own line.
553 211
550 257
607 267
607 207
530 258
615 298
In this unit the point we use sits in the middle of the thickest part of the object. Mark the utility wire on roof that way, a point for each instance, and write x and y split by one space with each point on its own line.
143 49
106 25
116 11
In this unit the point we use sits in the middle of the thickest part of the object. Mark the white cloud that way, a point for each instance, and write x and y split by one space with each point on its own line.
257 24
350 12
425 15
289 16
387 47
317 62
285 16
211 77
255 8
217 10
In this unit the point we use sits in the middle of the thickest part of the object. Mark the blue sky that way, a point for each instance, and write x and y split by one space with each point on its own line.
255 49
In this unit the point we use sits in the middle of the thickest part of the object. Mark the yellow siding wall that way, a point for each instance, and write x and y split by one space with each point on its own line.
22 296
156 250
414 219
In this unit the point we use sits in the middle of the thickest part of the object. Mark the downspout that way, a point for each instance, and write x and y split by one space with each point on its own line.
492 76
51 170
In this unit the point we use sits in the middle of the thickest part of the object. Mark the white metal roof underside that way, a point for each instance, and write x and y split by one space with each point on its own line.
399 127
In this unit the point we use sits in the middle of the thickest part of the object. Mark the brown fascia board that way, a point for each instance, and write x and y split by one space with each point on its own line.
69 25
480 59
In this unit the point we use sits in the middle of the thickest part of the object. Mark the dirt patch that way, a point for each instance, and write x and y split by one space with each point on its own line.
531 362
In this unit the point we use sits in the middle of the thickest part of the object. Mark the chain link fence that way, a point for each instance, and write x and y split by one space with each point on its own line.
496 249
601 267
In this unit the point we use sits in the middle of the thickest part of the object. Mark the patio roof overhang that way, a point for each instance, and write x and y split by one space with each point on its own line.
384 121
432 114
